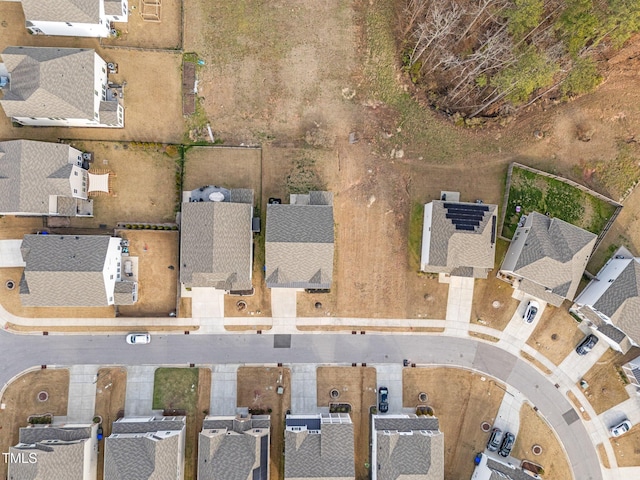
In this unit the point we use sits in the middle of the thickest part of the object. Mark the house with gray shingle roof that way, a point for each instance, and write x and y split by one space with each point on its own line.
547 257
610 303
141 448
632 371
75 18
299 242
493 468
39 178
406 446
459 238
216 248
72 271
68 451
59 87
234 448
319 447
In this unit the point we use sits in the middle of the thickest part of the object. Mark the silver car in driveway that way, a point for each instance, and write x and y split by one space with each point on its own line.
621 428
531 311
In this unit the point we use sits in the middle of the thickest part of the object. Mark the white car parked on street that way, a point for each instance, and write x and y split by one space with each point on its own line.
138 338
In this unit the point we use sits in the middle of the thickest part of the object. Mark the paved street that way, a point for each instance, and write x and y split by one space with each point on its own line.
21 352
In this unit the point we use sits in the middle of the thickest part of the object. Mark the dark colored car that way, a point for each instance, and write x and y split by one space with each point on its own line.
587 344
495 440
383 399
507 444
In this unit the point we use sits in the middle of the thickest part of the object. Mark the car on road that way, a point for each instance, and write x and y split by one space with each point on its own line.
621 428
383 399
587 344
495 440
138 338
531 311
507 444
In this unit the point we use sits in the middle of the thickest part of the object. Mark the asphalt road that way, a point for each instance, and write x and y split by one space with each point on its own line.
21 352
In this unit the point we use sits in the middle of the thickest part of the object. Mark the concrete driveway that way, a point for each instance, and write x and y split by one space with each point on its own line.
139 396
10 255
517 332
575 366
390 375
81 404
207 303
283 302
224 386
460 299
304 390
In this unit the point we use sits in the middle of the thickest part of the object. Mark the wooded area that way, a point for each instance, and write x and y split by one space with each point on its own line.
492 57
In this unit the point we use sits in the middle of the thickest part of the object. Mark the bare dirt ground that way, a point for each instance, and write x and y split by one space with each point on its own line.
604 458
556 334
157 283
493 305
111 390
17 227
357 387
153 107
194 422
534 430
143 185
136 32
606 387
626 448
21 400
461 400
257 390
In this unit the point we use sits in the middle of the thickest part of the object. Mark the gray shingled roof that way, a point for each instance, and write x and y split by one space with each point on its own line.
74 11
55 461
419 455
510 473
299 245
216 245
225 452
114 8
451 249
123 293
64 270
143 456
554 256
621 301
49 82
327 455
30 172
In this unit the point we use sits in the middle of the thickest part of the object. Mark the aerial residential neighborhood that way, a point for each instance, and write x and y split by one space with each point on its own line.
390 240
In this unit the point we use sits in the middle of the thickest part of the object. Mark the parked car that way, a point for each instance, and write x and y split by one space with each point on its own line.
586 344
138 338
383 399
621 428
531 311
495 440
507 444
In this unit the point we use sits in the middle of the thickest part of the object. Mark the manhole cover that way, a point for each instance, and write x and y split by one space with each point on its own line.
423 397
43 396
485 426
10 284
241 305
334 393
536 449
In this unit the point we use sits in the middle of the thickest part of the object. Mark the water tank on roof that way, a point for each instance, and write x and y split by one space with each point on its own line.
216 197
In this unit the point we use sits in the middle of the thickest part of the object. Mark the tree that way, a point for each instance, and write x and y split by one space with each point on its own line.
523 16
582 78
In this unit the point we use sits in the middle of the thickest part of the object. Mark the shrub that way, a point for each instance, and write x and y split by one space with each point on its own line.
583 78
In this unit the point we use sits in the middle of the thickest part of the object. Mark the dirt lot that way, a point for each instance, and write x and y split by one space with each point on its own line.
21 400
556 334
626 448
111 389
148 75
486 293
462 402
146 34
17 227
143 184
606 387
157 291
257 390
534 430
357 387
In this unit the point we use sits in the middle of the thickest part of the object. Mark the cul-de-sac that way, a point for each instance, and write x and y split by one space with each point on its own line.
319 239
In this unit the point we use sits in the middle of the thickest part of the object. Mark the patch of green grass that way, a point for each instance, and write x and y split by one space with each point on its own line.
416 220
303 176
533 192
176 388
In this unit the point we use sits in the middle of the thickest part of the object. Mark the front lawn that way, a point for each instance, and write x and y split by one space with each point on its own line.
175 389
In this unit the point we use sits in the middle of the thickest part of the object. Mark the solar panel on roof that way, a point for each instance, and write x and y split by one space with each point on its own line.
477 208
465 227
474 223
463 214
493 229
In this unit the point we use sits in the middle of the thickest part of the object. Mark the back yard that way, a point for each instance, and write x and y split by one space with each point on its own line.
530 191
